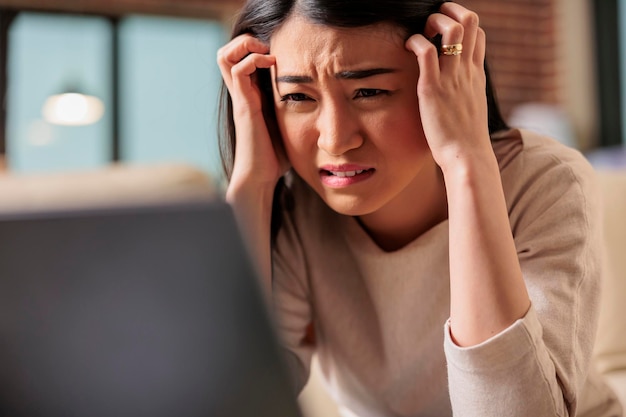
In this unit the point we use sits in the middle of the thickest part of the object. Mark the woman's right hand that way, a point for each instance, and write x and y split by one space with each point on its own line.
257 164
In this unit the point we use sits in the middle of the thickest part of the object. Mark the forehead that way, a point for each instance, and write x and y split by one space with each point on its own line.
302 43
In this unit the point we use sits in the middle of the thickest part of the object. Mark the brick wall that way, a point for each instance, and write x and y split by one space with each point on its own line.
522 49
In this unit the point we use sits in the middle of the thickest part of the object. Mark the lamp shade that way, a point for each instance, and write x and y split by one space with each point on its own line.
73 109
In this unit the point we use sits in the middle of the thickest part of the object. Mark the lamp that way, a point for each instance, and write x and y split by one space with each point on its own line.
73 108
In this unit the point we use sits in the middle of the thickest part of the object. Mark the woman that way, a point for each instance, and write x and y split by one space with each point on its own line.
365 134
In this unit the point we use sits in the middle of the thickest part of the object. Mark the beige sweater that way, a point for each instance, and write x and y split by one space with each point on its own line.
380 317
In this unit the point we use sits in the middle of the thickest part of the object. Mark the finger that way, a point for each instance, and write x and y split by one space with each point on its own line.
243 83
479 50
236 50
427 58
451 33
469 20
450 30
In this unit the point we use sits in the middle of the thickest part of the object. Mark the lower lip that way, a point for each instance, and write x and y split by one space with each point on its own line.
334 181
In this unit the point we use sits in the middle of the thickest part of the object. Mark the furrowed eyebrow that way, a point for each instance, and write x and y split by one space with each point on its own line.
344 75
360 74
294 79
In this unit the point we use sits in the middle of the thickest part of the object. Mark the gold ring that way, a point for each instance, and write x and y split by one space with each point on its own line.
454 49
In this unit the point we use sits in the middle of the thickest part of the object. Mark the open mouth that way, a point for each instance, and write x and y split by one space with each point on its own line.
349 174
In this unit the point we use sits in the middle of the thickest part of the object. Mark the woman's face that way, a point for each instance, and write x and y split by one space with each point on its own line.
347 109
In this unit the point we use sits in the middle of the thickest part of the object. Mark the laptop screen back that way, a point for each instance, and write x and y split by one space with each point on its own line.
151 311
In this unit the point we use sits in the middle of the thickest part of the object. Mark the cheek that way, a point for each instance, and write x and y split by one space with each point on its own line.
401 123
297 134
401 137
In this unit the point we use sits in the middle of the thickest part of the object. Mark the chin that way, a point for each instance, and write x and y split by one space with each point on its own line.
350 205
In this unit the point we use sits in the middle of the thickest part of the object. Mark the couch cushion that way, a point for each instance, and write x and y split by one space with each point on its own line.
115 185
610 350
617 381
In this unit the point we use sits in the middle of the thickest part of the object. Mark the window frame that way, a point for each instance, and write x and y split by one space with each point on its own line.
609 73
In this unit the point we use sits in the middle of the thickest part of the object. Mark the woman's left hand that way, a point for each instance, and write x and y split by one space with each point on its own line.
487 289
451 88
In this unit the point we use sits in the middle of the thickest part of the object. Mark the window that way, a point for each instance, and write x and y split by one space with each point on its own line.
169 88
49 54
156 77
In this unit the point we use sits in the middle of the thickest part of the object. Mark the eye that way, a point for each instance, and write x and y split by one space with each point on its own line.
294 97
369 92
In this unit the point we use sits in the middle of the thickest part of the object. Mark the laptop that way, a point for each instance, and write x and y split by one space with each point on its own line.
140 311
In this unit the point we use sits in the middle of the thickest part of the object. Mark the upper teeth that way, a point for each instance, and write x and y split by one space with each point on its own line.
347 173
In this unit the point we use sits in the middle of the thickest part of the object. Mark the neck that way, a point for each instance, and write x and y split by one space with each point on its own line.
420 207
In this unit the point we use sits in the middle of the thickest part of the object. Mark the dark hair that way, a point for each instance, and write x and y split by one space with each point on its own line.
261 18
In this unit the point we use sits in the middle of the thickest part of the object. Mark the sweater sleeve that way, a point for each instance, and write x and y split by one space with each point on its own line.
537 366
292 305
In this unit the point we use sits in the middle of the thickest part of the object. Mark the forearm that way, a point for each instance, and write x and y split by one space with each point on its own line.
487 290
252 208
256 166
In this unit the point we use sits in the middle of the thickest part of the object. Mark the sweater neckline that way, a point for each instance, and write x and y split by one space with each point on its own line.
361 241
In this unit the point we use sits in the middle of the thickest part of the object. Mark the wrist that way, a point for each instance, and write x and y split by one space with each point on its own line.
250 194
468 163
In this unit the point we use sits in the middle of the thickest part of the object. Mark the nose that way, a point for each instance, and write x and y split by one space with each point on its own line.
338 129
